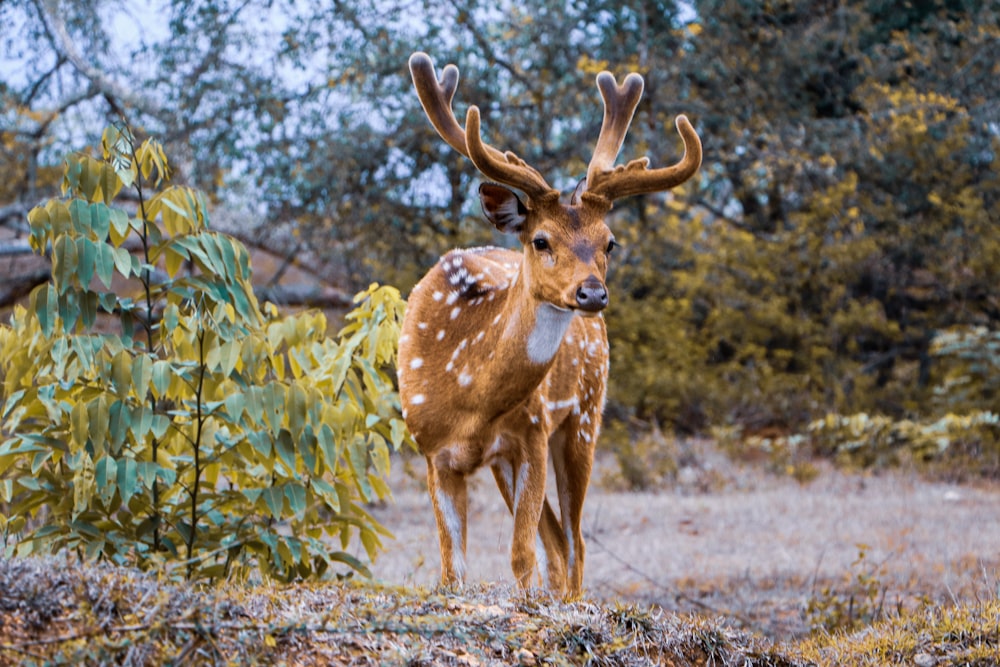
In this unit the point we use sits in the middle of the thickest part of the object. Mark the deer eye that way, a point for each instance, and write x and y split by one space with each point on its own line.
612 244
541 244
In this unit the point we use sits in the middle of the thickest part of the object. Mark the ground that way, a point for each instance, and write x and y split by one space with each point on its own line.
739 541
748 558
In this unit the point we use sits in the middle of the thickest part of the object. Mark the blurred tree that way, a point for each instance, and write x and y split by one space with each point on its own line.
843 214
850 174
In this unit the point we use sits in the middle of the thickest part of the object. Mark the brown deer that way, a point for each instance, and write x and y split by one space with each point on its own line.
503 357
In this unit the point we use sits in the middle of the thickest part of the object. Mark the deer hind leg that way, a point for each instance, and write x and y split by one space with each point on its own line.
572 448
450 497
550 544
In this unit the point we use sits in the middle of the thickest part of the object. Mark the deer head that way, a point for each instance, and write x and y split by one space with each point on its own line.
566 246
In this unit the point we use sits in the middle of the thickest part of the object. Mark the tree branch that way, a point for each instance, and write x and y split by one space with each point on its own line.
55 21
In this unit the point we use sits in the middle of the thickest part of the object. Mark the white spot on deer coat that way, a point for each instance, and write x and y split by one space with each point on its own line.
440 334
452 298
560 405
550 326
417 399
437 296
455 311
416 363
464 379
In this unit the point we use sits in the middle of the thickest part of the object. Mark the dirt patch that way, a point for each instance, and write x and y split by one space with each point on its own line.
756 547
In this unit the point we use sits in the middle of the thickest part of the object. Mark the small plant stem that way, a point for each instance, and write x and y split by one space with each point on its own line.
199 423
147 324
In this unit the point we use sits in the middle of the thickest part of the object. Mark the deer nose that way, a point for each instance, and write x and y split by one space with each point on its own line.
592 295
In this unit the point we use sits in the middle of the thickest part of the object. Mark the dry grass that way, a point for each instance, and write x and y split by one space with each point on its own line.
729 565
57 611
771 554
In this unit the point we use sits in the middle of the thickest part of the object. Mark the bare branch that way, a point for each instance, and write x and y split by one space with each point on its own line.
14 215
54 20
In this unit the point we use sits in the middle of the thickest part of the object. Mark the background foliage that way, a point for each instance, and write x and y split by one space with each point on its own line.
202 430
842 222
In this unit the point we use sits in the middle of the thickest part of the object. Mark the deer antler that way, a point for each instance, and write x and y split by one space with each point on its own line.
436 96
611 182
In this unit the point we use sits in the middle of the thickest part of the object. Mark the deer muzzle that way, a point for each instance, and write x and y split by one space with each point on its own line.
591 295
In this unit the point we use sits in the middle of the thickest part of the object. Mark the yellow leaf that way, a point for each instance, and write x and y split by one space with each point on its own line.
83 485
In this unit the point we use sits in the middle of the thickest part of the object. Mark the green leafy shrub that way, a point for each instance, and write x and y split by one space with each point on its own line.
967 368
207 432
958 445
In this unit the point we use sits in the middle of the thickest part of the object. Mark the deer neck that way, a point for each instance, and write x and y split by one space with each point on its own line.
528 342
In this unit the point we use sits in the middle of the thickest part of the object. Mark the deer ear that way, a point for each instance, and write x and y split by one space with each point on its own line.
581 187
502 208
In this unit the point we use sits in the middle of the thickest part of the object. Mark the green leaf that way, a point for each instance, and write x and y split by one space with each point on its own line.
327 492
119 226
98 417
141 421
45 304
398 433
235 402
228 252
123 262
38 459
161 374
274 497
69 308
79 424
128 476
296 409
88 304
86 252
285 448
307 450
105 264
357 455
105 476
110 183
64 262
100 221
118 416
273 401
142 374
328 446
296 494
160 425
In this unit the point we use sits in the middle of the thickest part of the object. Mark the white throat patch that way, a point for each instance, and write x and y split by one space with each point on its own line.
550 326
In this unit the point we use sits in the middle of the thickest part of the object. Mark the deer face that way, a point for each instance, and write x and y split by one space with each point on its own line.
566 248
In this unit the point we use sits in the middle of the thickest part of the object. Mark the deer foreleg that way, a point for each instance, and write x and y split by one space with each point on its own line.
528 473
449 495
550 543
